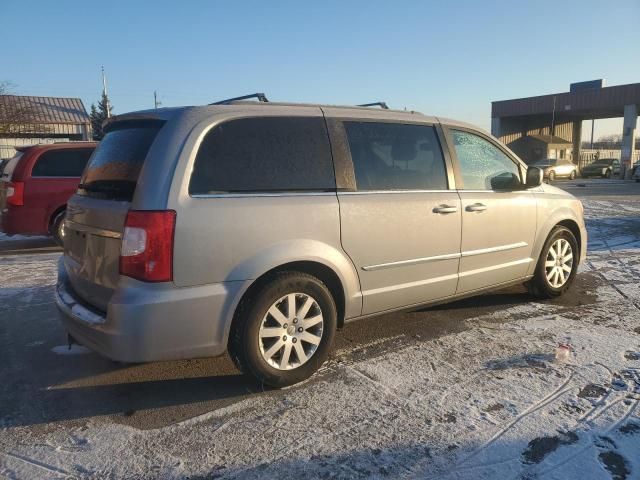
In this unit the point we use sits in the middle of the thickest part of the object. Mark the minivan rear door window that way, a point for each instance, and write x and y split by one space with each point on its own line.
266 154
393 156
113 169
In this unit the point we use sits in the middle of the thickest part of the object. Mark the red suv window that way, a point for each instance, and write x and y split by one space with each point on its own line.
61 163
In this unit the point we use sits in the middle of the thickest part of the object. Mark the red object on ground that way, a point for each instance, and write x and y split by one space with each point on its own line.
36 185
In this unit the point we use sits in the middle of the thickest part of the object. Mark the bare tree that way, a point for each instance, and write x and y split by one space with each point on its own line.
609 142
16 114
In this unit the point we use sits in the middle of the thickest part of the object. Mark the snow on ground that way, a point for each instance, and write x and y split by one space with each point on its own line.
489 402
18 238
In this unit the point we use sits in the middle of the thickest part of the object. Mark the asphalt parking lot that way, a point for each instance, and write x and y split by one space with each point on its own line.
465 390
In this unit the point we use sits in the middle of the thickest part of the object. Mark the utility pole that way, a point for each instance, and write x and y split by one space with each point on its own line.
104 92
592 126
156 103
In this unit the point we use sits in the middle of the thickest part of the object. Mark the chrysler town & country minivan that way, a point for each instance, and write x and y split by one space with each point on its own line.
260 228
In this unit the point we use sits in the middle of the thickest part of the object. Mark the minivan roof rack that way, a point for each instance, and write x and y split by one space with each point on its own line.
260 96
382 105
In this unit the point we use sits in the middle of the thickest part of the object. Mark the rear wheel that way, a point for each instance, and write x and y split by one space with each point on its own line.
283 333
557 265
607 174
56 229
552 176
572 176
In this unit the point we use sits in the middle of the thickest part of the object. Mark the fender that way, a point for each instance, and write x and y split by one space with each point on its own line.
546 224
305 250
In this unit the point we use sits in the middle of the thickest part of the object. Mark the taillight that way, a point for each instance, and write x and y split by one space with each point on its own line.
15 193
147 245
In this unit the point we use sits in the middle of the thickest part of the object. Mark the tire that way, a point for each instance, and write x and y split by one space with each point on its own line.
540 285
56 228
572 175
253 345
552 176
607 174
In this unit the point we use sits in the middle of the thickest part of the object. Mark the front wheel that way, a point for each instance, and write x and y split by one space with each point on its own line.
557 266
283 333
607 174
552 176
572 175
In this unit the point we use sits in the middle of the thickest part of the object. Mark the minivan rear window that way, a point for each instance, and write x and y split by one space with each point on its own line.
113 169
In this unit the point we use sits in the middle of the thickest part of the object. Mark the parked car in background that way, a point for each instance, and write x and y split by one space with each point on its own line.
635 172
260 228
557 168
35 185
603 167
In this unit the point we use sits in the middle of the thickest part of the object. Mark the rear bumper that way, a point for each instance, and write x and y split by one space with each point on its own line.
149 322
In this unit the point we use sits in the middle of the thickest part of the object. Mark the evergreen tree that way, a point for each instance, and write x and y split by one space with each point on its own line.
99 114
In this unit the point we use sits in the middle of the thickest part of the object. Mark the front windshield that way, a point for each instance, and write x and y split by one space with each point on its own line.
543 162
604 161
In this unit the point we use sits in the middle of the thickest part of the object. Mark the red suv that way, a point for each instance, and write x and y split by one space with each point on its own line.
35 185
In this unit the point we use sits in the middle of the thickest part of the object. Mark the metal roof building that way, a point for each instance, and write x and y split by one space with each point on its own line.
556 119
26 120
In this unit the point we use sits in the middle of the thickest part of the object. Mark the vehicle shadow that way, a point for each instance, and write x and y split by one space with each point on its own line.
43 382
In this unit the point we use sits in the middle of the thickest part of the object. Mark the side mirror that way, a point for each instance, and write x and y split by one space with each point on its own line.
535 176
506 181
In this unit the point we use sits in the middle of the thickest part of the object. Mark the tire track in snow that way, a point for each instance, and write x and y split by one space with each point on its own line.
557 393
39 465
590 443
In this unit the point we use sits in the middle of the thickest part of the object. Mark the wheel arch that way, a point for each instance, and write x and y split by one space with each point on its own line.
54 214
573 226
562 217
316 269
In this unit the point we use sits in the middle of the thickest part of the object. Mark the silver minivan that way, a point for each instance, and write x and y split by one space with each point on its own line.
260 228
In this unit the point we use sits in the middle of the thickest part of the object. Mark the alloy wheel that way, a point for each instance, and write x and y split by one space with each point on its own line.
559 263
291 331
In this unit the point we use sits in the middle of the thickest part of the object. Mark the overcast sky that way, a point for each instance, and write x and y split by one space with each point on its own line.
443 58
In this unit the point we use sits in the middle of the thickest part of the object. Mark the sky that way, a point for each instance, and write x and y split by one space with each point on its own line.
442 58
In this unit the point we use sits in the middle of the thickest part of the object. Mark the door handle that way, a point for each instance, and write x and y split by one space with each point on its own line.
476 207
444 209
